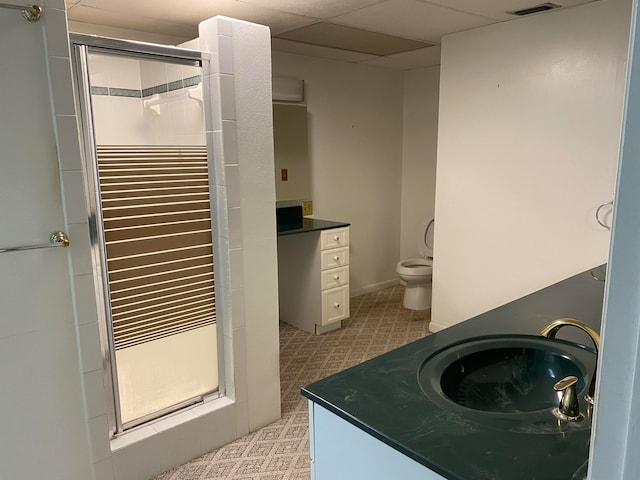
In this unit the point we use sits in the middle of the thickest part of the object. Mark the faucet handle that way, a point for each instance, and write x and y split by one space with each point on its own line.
569 407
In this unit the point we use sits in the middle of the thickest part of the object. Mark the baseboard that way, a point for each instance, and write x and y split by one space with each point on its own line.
374 288
436 327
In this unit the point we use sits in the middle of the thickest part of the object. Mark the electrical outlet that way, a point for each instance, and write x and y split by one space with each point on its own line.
284 174
307 208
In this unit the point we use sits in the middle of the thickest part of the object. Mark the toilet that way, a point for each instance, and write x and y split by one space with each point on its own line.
416 272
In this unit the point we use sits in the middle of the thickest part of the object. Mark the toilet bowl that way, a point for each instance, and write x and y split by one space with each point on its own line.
416 272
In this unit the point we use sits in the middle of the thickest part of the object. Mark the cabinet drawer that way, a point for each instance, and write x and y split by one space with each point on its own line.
337 257
335 277
334 238
335 304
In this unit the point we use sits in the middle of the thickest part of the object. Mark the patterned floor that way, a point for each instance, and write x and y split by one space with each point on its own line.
280 451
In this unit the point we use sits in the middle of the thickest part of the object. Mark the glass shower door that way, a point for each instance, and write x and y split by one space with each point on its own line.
147 171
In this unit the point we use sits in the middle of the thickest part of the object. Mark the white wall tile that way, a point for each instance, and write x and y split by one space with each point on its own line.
95 394
235 228
232 181
178 445
208 36
57 4
124 73
229 142
104 469
240 367
237 309
90 347
216 429
216 156
56 31
225 54
225 25
227 97
237 271
242 419
211 89
176 114
68 143
60 71
80 248
73 194
194 118
85 299
99 68
174 72
29 316
99 435
229 368
139 461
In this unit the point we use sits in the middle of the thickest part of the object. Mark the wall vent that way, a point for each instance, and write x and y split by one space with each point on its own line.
543 7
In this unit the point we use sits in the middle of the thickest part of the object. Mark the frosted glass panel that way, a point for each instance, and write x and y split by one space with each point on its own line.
155 375
151 175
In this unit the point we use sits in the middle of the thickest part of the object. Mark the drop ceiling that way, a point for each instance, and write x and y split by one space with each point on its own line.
401 34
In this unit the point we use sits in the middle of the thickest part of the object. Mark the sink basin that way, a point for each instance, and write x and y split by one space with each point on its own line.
502 376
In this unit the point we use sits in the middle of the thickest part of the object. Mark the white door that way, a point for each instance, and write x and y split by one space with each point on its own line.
43 433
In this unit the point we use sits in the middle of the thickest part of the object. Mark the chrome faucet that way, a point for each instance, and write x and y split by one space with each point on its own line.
550 332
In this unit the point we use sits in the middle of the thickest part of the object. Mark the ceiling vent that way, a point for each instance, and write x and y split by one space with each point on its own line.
543 7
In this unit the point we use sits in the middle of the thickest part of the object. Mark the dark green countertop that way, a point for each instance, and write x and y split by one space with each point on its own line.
311 225
383 398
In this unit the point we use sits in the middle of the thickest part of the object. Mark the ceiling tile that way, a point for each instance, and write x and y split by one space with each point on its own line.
98 16
349 38
425 57
314 8
496 8
287 46
143 14
412 19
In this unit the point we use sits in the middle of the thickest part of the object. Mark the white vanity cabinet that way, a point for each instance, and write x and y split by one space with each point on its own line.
313 279
341 451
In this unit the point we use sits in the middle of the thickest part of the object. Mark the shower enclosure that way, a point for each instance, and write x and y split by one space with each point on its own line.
147 178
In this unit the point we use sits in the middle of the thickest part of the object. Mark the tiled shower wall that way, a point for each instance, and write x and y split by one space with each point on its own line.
120 90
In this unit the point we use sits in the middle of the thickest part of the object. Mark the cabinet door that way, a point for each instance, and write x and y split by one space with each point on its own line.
335 305
341 451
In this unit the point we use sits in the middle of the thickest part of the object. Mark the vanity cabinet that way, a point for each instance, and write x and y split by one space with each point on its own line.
341 451
313 279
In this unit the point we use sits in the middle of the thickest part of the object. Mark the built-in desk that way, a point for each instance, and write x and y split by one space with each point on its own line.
313 275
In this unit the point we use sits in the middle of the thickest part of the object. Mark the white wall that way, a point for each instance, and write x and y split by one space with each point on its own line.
529 127
419 152
355 148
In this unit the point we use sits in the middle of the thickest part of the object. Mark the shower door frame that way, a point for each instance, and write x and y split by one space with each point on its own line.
81 45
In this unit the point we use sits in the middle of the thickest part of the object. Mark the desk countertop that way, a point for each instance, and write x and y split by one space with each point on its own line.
310 225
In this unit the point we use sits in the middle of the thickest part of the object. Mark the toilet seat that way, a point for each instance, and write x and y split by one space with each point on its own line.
415 267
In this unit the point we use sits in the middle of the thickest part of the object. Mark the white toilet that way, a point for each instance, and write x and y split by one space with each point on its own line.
416 272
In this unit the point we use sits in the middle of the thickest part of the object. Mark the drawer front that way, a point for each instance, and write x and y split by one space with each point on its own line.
337 257
334 238
335 304
335 277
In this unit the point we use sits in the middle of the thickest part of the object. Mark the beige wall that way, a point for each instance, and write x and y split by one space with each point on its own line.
355 147
419 151
529 127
